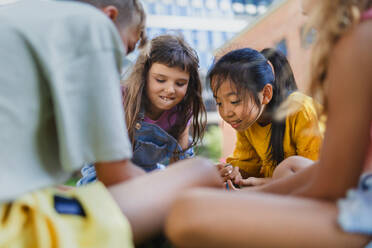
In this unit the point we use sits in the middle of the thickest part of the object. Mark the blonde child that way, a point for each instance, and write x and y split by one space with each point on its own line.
248 91
317 211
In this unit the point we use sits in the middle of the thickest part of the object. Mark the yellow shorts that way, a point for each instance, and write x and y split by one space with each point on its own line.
33 221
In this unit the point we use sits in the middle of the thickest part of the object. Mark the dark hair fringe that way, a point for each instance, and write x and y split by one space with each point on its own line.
250 71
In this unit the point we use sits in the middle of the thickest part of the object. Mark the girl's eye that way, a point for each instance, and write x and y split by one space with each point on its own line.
160 80
218 104
236 102
180 84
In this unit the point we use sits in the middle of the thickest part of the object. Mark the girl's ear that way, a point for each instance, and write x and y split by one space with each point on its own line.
111 11
267 94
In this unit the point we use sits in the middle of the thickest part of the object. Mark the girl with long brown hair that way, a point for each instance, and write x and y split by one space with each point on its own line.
162 102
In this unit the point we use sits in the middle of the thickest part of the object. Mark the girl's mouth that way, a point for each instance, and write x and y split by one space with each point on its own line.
166 99
235 124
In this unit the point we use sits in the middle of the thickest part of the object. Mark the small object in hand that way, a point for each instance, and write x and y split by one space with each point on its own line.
227 186
236 186
229 172
138 126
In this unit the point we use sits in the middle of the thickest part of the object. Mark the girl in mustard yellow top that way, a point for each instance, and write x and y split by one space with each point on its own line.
248 91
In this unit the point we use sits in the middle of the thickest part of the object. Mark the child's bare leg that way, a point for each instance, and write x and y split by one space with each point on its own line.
210 218
290 166
146 200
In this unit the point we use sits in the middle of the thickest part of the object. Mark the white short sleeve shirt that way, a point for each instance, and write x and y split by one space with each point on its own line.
60 101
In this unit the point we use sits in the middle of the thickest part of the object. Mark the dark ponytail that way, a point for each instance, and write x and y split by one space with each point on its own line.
283 85
250 71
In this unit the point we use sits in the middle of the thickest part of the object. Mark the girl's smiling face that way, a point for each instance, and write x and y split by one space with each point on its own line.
165 88
239 113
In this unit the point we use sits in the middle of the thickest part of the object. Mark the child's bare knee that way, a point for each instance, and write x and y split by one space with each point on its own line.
281 170
291 165
286 167
292 160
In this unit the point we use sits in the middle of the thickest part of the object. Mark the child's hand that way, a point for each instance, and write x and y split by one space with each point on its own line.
224 169
230 186
253 181
228 172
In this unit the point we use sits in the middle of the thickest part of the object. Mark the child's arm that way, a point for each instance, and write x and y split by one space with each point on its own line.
348 126
183 140
110 173
287 185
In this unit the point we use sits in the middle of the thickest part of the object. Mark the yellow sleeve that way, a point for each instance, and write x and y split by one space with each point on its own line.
307 136
245 157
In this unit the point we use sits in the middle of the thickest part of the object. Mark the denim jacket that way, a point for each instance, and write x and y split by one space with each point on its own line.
153 149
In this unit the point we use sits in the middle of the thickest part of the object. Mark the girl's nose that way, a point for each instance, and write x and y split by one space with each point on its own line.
170 89
227 112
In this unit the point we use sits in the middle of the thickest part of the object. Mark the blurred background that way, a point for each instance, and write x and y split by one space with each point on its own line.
214 27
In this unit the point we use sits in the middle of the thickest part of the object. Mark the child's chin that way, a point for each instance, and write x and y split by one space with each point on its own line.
239 128
236 128
166 107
